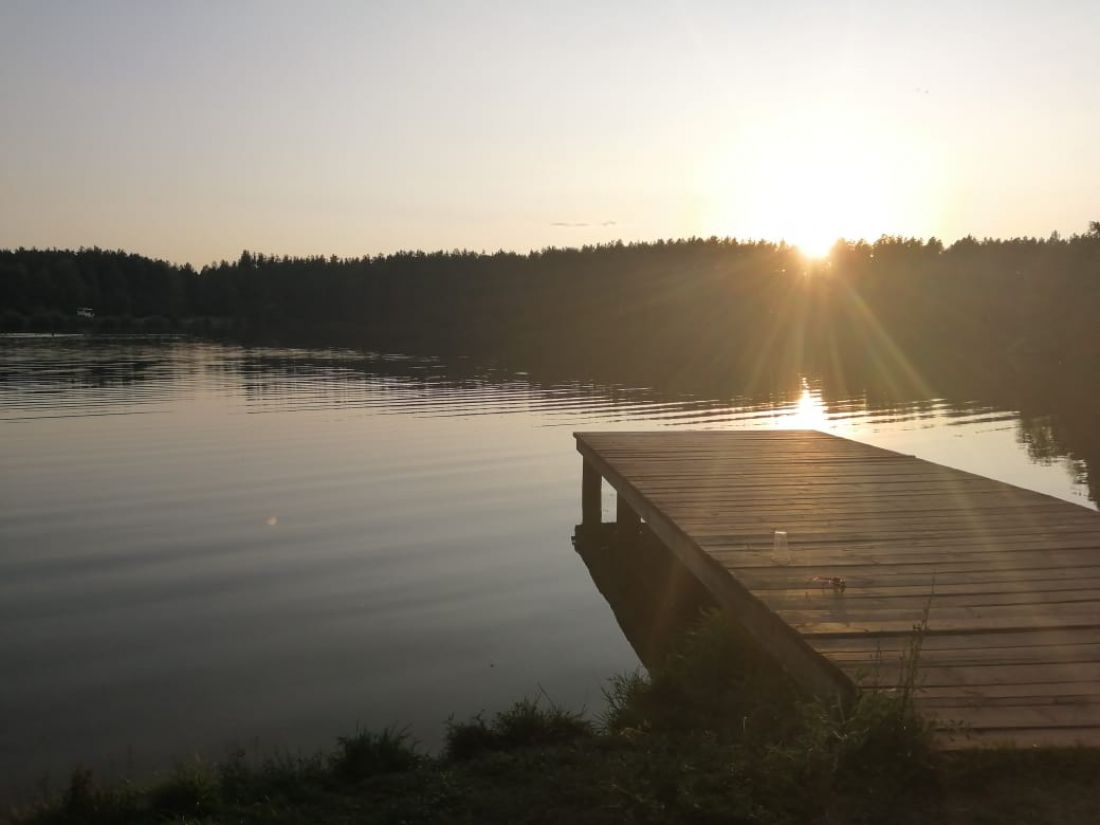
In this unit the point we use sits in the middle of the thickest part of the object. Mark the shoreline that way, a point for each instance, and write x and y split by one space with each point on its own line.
715 733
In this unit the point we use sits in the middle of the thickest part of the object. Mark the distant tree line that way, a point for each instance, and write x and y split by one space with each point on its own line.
899 311
1015 323
41 290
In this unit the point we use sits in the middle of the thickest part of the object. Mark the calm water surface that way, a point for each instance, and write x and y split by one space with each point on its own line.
206 546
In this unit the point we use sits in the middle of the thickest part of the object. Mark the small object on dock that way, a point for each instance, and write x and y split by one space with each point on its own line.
781 548
835 582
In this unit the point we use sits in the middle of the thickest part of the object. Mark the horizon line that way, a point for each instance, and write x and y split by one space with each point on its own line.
1053 236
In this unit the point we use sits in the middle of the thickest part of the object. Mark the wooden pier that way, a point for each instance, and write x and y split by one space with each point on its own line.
1009 579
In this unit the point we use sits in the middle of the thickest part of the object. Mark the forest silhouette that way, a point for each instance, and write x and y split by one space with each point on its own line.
1011 322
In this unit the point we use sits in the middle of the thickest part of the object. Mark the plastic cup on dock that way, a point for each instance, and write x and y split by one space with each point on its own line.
781 549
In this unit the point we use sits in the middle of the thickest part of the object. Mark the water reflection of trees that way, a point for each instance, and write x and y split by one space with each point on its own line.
1054 422
1073 433
78 372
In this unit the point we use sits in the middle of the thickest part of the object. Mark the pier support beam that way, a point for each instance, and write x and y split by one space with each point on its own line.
628 522
591 500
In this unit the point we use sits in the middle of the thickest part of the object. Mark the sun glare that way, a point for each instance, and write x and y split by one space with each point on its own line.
809 412
813 182
816 245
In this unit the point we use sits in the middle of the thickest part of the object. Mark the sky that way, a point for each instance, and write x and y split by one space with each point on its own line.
193 130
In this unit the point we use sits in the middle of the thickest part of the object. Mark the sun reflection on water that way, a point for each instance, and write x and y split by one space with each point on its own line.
807 412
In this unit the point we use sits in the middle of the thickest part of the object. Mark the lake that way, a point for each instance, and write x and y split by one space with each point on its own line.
205 546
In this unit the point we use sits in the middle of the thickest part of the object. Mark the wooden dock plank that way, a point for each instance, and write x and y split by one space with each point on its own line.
1010 578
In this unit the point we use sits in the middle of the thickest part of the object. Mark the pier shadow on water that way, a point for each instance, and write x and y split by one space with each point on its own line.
652 595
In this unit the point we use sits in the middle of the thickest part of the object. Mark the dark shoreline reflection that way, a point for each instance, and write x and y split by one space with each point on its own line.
86 375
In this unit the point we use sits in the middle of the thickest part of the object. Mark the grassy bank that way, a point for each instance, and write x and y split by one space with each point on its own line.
716 734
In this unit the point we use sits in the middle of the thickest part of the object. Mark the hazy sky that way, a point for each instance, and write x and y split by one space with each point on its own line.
192 130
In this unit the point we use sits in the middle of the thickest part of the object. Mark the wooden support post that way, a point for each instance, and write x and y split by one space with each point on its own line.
628 522
591 501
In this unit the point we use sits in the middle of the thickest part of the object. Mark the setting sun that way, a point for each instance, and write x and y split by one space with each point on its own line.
810 182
